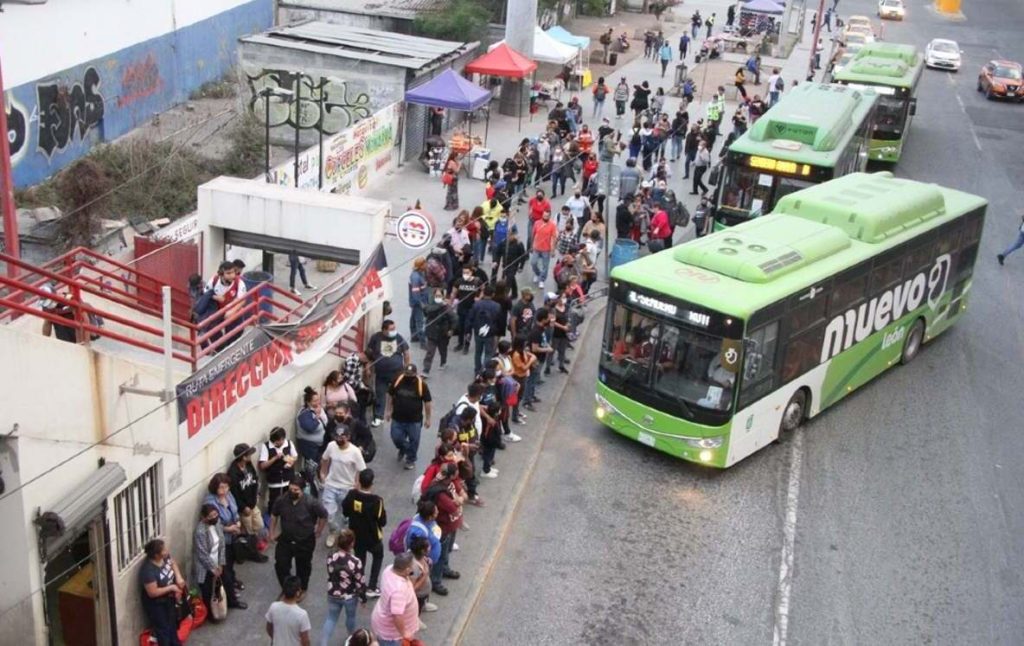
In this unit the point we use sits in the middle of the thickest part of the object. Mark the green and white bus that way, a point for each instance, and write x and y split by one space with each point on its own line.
715 347
892 70
814 133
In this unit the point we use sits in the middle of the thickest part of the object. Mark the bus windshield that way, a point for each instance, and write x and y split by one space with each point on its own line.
680 363
891 114
750 192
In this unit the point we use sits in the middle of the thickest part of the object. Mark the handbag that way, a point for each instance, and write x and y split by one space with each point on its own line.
245 549
447 178
713 176
218 601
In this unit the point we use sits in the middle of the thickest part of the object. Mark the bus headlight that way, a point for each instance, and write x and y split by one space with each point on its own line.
706 443
705 456
601 412
604 409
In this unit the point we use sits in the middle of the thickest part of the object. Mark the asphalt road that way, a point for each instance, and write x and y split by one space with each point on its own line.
903 503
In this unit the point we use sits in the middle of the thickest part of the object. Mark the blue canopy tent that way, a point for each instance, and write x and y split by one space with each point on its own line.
450 90
563 36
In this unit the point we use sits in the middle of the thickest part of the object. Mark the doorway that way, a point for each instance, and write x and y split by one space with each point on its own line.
77 592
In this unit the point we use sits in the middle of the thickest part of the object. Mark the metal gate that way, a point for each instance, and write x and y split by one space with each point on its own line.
165 263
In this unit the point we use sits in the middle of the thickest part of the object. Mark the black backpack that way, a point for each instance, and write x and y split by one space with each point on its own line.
448 420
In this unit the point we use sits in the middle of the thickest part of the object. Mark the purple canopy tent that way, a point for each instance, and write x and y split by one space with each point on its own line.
450 90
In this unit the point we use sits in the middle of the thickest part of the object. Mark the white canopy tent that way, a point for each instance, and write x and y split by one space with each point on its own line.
548 50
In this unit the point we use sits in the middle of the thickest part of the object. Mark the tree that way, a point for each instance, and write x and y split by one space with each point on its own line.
462 21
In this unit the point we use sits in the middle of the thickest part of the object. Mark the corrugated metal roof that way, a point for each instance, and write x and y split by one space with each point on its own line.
356 43
407 9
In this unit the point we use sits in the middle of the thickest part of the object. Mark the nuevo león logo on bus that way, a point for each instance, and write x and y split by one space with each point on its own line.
858 323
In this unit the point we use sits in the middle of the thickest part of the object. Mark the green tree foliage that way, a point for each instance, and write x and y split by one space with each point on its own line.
462 21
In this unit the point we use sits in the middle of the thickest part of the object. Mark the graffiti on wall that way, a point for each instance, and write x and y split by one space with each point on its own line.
139 80
67 112
17 128
342 107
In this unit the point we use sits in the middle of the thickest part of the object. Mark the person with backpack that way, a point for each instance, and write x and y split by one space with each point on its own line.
442 492
367 518
621 97
419 294
600 92
438 268
441 322
408 408
422 524
389 353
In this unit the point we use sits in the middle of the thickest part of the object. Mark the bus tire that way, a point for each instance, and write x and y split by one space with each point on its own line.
795 412
912 346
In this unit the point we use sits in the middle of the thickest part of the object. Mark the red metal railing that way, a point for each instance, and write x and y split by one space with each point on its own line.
79 288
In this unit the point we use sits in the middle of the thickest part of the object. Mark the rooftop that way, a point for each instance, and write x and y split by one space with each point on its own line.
403 9
356 43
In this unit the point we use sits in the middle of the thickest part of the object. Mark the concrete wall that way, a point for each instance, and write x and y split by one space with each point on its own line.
289 14
78 390
79 73
356 89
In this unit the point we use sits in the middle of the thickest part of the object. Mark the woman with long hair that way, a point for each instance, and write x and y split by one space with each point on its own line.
337 390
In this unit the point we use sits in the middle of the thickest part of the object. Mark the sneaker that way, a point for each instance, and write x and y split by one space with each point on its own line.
455 546
451 574
423 626
331 538
312 287
477 501
429 607
376 422
492 474
562 370
439 589
528 407
373 593
296 292
1000 258
443 366
512 437
520 420
409 466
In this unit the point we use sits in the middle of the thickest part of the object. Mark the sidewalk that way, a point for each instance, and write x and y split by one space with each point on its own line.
480 542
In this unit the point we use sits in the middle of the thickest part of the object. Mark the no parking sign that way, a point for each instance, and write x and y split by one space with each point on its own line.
415 229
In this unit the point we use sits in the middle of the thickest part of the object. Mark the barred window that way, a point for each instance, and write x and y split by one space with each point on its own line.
137 515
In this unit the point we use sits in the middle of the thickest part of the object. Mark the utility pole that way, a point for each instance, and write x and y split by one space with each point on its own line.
815 54
520 22
12 246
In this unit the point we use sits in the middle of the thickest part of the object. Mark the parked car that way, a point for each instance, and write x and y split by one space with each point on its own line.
1001 79
943 54
891 9
861 24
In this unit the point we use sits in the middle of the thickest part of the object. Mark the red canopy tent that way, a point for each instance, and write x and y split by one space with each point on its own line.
505 62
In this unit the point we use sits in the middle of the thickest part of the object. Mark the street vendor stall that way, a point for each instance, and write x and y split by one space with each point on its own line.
581 73
504 62
760 18
451 91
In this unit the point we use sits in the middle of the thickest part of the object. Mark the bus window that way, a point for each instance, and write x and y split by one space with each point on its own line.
884 275
689 368
920 258
802 353
972 228
849 288
803 314
789 185
759 363
743 187
627 352
891 113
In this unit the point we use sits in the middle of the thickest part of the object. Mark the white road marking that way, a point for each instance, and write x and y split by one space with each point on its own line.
782 592
970 126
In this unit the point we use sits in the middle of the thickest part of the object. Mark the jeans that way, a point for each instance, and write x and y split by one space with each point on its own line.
598 107
417 322
620 108
664 66
331 498
299 550
677 148
389 642
334 608
773 98
483 351
698 174
439 568
693 31
531 385
463 329
539 261
557 179
1018 243
435 345
295 266
163 621
381 383
377 551
406 436
488 451
690 156
561 344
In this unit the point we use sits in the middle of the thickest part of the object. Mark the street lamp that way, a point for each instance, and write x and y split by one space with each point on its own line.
266 93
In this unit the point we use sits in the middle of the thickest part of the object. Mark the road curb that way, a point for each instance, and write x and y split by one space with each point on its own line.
511 508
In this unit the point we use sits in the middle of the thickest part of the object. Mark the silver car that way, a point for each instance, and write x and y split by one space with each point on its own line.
943 54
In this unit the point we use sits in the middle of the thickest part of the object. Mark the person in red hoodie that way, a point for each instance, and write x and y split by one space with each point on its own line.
585 139
660 232
589 170
539 205
449 517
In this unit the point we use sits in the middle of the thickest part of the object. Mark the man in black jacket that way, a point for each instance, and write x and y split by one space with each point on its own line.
509 259
359 433
367 519
625 216
441 322
483 321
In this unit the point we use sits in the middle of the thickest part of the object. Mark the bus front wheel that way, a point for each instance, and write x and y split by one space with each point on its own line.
912 346
795 412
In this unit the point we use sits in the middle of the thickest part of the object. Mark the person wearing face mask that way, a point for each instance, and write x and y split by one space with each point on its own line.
162 587
389 354
441 323
459 234
276 461
510 259
339 468
359 433
209 555
463 295
544 238
296 521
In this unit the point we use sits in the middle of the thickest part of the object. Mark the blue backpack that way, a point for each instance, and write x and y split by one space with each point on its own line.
500 231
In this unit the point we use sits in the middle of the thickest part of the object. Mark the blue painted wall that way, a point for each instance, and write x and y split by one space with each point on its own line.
55 120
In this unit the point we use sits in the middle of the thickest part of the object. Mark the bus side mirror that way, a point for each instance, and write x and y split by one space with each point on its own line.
913 107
